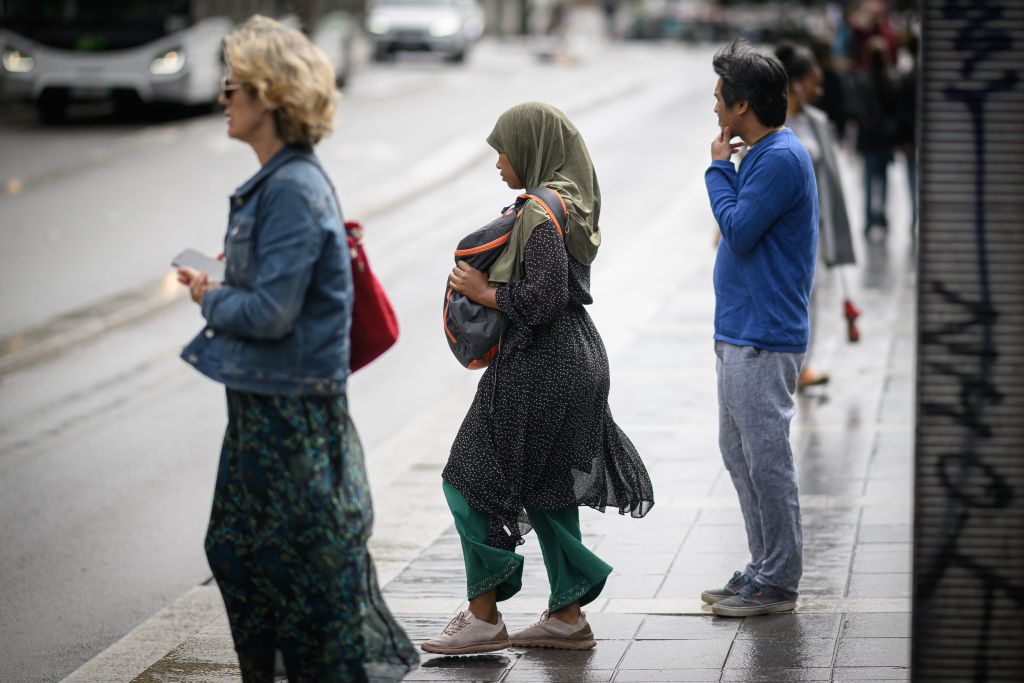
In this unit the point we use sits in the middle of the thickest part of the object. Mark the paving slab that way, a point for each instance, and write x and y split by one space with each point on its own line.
797 626
606 656
664 654
777 654
873 652
776 675
895 625
883 557
871 673
667 675
880 585
665 627
561 675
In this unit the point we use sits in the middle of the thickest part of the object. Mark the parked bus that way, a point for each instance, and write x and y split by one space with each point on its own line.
56 52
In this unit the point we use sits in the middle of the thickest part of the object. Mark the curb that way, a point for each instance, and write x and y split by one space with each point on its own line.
151 640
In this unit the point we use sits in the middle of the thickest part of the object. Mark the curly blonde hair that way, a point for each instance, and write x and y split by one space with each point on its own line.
290 76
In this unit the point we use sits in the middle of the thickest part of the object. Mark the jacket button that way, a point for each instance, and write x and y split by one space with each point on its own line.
234 231
238 201
193 358
209 333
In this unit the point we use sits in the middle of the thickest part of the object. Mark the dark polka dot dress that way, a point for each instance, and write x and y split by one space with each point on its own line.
539 433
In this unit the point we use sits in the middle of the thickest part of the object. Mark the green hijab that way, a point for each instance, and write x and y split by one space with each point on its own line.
546 150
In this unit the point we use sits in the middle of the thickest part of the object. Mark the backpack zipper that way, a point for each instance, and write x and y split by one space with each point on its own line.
497 242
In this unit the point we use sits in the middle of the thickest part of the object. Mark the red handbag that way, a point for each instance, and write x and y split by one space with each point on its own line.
374 323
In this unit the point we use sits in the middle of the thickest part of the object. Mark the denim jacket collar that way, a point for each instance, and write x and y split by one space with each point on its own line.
281 157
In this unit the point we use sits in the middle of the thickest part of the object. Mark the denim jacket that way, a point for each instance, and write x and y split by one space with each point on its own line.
280 323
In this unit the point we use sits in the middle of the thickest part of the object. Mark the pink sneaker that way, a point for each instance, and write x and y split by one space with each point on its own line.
555 633
467 635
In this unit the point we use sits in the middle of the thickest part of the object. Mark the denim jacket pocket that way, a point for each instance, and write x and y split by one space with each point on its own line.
238 250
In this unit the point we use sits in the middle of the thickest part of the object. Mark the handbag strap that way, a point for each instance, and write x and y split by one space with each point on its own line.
334 193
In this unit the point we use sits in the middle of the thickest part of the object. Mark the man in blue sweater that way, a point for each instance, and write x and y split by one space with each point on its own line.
768 215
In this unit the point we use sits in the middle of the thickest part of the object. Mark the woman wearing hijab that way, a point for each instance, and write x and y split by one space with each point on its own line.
291 508
539 439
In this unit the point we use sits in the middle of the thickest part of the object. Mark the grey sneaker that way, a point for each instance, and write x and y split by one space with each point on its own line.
555 633
731 588
467 635
754 599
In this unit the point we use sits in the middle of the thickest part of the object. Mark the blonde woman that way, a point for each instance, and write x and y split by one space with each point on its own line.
291 510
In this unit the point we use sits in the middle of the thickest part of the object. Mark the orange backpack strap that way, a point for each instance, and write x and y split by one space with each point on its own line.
552 204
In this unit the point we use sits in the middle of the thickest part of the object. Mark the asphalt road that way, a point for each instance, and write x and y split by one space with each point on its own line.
108 452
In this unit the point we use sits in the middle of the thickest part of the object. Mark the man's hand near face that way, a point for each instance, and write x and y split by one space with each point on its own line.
722 147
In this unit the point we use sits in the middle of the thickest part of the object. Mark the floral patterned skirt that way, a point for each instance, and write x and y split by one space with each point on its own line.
287 544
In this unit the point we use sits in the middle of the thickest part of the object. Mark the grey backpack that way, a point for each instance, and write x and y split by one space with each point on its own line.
474 331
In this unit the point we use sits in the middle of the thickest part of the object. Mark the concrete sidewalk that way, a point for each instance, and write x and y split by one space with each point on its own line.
853 442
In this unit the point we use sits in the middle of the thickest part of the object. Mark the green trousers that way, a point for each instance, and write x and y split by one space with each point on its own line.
575 574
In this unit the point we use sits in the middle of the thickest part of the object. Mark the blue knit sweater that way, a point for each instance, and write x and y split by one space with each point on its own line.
768 214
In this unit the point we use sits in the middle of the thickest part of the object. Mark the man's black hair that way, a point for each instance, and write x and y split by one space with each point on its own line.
757 78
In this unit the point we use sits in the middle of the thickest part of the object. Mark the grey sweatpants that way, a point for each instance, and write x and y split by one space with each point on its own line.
755 406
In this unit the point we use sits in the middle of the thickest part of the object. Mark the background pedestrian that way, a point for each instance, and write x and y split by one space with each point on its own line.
812 127
906 124
875 112
872 29
832 99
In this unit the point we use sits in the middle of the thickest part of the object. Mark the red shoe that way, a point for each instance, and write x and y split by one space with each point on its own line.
852 313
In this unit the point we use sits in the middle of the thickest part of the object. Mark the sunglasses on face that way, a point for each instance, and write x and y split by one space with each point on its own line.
228 88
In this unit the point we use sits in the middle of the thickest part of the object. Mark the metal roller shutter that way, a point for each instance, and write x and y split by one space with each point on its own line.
968 622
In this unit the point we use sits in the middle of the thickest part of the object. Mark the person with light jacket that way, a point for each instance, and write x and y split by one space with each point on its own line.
812 127
291 509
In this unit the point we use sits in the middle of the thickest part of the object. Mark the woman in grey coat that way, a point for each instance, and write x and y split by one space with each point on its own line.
811 126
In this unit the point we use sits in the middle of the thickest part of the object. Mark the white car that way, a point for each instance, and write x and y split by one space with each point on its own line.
448 27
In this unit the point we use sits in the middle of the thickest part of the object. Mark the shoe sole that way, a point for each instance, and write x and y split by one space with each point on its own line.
710 598
556 643
724 611
471 649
